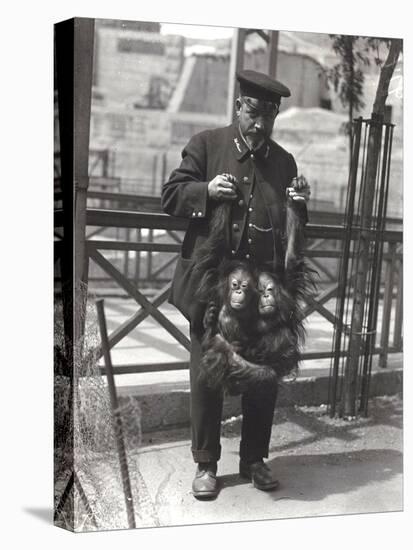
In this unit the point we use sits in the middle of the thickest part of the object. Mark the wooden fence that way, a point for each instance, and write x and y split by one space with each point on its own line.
158 235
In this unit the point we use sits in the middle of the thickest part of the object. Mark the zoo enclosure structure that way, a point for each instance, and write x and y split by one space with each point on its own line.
323 250
77 243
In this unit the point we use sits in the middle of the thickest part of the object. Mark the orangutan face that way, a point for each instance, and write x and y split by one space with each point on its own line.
267 294
240 290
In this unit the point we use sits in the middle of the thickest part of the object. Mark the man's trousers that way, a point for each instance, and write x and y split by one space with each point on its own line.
206 411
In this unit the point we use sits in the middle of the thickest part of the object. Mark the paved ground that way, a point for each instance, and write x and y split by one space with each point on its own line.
325 467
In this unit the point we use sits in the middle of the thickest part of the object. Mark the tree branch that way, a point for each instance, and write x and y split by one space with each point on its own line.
386 74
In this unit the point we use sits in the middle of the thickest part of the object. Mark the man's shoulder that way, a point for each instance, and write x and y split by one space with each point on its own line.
214 134
275 148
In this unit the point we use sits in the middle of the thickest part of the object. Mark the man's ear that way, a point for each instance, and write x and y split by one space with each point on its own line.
238 105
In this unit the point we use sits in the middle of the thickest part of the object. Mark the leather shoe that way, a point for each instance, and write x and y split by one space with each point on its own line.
205 484
260 474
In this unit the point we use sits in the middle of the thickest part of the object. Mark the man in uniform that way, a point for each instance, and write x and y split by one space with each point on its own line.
241 164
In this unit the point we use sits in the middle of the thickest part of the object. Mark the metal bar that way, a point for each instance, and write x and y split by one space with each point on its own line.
376 276
117 417
163 172
388 298
140 298
138 256
273 53
126 255
398 317
362 267
333 385
236 64
154 170
149 256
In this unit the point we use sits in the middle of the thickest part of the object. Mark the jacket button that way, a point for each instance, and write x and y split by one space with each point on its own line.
233 252
241 202
199 213
245 179
249 241
247 256
235 227
250 225
250 209
252 156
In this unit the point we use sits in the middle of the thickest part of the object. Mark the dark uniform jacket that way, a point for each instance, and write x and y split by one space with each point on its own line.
258 216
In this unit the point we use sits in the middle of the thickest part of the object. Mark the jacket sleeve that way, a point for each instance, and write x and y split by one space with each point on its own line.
185 194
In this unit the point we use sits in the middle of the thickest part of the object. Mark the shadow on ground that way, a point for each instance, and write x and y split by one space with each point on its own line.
314 477
44 514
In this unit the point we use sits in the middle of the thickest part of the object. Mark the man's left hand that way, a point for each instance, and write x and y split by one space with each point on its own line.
299 189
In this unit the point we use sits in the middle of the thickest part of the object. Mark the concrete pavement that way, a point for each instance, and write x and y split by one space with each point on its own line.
325 467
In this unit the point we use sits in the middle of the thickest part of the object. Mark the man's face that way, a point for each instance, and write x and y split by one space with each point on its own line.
256 118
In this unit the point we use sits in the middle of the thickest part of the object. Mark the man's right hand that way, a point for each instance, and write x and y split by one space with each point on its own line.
223 188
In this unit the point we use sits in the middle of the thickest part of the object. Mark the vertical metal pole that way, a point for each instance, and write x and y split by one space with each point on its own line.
344 266
105 163
362 268
376 274
149 256
117 418
138 257
387 304
163 168
398 318
236 64
154 173
273 53
126 254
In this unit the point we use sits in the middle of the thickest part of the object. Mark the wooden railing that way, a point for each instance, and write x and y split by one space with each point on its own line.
323 251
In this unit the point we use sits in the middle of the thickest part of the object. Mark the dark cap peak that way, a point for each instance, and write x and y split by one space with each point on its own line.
261 86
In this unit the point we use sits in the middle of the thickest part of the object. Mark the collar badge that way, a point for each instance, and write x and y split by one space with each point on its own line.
237 145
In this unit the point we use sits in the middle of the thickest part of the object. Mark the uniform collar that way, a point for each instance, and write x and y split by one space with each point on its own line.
241 149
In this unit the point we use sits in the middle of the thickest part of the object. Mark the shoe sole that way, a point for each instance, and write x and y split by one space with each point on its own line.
205 495
269 487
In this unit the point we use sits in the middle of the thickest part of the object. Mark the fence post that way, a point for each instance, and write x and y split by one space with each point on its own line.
126 255
117 417
387 303
138 257
149 257
398 318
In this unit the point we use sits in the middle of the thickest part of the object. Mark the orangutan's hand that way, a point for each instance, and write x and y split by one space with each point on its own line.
299 189
223 188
